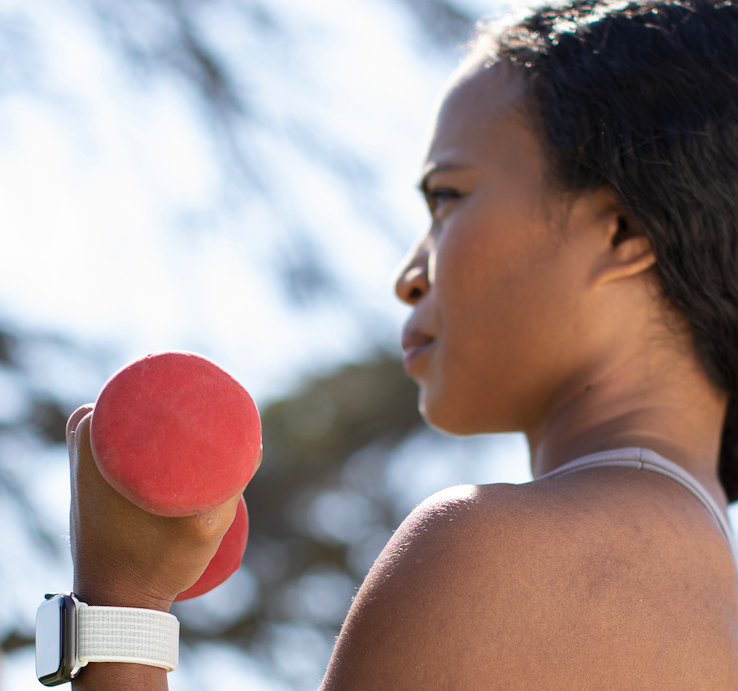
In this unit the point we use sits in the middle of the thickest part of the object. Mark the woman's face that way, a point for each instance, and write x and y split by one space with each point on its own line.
497 328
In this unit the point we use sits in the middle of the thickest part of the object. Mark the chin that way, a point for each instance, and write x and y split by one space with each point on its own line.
459 416
447 418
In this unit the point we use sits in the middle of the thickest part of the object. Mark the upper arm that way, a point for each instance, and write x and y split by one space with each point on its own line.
520 587
435 598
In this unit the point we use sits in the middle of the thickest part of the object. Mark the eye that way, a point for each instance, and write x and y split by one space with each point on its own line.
439 196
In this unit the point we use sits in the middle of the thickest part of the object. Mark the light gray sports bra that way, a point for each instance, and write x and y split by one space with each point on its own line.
645 459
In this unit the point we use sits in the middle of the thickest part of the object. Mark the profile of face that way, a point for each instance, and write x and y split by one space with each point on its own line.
504 319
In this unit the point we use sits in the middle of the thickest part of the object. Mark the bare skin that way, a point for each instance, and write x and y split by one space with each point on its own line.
530 312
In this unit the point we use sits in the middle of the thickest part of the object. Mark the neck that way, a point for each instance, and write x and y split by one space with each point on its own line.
677 412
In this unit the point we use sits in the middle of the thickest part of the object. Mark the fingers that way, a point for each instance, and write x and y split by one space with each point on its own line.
212 524
74 420
86 474
77 415
78 442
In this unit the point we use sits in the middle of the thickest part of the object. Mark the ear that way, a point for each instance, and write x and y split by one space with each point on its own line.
628 251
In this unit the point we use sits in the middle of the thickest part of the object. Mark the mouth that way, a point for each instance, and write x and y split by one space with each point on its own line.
415 344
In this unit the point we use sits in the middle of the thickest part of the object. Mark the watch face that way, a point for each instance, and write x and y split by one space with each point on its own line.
55 640
49 638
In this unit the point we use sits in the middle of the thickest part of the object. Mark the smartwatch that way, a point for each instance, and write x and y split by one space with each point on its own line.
70 634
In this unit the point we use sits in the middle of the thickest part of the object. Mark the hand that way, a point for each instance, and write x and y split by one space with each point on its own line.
124 556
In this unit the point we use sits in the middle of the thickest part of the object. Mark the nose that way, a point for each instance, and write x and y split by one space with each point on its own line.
412 281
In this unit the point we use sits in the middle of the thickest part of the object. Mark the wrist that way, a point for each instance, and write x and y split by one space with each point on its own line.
120 676
98 592
71 633
99 597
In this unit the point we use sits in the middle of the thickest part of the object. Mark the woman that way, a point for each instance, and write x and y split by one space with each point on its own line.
579 282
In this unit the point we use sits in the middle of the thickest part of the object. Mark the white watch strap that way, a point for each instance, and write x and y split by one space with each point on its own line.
127 634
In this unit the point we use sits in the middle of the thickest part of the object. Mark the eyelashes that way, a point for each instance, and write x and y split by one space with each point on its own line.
438 197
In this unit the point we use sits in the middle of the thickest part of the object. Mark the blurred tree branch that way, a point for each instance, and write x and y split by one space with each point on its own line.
164 39
447 24
308 439
327 444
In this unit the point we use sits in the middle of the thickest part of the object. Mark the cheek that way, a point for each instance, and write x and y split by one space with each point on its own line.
472 303
501 301
487 278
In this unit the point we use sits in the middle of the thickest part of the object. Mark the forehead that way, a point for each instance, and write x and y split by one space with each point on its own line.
480 116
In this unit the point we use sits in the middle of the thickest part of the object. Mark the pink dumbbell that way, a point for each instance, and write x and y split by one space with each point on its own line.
177 436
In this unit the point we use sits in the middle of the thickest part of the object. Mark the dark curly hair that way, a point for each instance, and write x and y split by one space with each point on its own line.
643 97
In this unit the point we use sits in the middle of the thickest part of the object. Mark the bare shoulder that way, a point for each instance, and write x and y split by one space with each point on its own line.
549 585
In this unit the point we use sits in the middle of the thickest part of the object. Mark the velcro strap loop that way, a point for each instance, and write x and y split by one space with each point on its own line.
127 634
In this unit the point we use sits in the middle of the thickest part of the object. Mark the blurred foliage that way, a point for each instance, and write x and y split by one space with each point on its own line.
34 412
19 60
318 507
318 500
169 39
33 415
447 24
165 38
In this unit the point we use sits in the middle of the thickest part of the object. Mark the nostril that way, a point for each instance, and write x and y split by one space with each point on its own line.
412 283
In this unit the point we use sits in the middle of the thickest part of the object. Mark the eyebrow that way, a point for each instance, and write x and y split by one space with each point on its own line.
438 168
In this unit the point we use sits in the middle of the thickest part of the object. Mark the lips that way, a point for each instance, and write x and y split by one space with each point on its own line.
415 343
